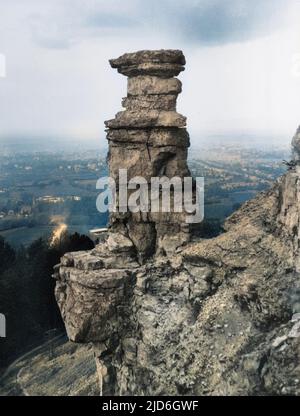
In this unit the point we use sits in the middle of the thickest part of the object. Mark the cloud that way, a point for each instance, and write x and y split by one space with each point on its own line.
212 22
59 81
66 23
48 33
206 22
109 20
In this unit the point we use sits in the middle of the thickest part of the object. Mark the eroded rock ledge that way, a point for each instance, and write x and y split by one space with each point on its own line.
169 316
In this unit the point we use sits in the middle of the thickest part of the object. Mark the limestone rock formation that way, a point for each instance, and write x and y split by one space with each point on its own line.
218 316
149 139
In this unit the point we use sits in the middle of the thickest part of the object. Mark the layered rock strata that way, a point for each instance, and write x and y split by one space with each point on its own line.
149 139
218 316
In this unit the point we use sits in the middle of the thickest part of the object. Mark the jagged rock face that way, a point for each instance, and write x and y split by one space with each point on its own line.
149 139
218 316
296 146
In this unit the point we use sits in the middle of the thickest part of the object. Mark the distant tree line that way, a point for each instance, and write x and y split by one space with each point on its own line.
27 292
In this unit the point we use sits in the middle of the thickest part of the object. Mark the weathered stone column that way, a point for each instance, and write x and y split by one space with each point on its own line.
95 290
149 139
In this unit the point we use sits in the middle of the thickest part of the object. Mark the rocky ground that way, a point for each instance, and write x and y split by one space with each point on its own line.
220 316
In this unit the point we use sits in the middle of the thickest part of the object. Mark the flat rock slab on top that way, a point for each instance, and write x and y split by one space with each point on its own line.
165 63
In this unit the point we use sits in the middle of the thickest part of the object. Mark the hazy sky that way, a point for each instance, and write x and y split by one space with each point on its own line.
242 72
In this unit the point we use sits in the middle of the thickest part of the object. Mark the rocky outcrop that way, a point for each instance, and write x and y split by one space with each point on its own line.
296 146
217 316
149 139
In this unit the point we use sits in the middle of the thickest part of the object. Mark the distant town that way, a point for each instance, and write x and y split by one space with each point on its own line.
41 190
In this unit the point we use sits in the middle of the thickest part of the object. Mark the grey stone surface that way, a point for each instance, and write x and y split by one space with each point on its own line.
146 119
161 63
171 317
154 137
296 145
149 140
165 102
142 86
